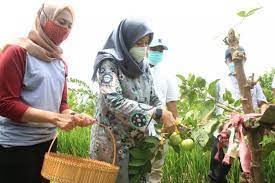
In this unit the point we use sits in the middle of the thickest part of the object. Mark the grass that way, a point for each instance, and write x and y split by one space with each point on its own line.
186 167
75 142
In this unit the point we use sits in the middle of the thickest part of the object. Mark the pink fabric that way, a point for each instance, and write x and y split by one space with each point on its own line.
237 121
245 153
226 160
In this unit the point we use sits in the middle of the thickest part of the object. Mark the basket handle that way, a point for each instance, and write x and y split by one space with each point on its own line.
110 132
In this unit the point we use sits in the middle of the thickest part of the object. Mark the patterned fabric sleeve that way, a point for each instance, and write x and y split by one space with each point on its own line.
138 114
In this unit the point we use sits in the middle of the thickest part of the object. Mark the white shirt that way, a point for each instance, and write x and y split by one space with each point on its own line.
166 87
273 83
231 84
165 84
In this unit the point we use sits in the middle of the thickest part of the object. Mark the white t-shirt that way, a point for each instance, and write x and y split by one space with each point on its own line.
166 87
273 83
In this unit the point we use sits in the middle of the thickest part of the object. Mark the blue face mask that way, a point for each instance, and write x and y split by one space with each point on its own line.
231 68
155 57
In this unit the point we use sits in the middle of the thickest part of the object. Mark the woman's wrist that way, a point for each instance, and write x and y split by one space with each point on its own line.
157 114
54 118
68 111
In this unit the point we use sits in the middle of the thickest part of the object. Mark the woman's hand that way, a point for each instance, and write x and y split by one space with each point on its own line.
168 121
85 120
68 121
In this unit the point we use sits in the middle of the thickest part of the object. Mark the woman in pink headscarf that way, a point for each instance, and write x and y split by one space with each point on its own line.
33 95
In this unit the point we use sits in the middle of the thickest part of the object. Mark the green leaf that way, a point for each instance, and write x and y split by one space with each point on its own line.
241 13
200 82
189 114
146 168
212 88
211 126
237 103
158 156
181 77
268 148
207 115
152 140
133 170
191 79
251 12
147 145
227 96
176 148
135 179
140 154
202 134
192 96
137 162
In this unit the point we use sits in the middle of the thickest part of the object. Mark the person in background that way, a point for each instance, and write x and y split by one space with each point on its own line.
127 99
166 87
33 95
219 170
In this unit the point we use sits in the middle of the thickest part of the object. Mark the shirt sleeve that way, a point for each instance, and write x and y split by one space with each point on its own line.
220 91
110 88
260 94
154 98
172 90
12 69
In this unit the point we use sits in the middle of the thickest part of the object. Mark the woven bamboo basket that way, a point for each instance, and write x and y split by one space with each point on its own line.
63 168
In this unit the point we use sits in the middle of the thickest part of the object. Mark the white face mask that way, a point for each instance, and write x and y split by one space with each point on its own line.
138 53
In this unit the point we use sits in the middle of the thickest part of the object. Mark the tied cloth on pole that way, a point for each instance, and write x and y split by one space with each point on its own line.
233 140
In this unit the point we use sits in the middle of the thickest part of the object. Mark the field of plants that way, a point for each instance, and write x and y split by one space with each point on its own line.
195 106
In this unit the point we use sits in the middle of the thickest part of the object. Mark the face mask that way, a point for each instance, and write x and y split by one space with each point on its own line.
55 32
231 68
138 53
155 57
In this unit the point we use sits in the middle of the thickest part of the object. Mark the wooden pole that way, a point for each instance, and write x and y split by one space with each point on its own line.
255 135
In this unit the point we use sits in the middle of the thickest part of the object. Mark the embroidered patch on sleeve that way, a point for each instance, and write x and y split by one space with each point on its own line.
106 79
138 120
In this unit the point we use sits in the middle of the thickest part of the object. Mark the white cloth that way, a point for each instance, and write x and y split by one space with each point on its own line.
166 87
273 83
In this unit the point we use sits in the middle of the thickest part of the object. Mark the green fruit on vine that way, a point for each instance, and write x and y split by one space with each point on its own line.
187 144
175 139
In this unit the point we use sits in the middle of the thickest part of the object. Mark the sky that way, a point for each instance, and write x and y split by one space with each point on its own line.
193 31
